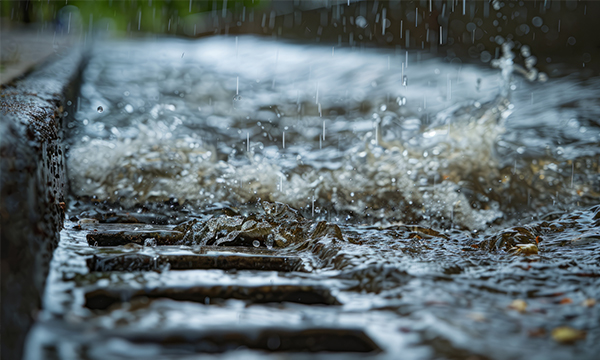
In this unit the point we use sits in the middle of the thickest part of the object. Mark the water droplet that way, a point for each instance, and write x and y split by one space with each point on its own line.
256 243
361 22
100 109
150 242
237 98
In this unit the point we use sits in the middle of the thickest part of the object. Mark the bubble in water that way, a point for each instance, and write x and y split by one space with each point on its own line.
361 22
530 62
129 108
485 56
100 109
537 21
256 243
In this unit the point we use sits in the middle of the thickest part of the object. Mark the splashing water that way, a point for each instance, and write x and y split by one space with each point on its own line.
428 199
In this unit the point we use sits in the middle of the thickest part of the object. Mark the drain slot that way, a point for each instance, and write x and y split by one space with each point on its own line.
103 299
124 237
281 340
139 262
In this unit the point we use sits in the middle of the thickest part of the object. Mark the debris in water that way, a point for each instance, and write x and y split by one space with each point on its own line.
589 302
567 335
525 249
519 305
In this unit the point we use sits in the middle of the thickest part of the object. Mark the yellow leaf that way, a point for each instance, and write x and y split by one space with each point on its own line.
589 302
519 305
567 335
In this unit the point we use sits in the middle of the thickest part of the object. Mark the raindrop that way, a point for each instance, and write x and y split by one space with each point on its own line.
256 243
361 22
100 109
150 242
537 21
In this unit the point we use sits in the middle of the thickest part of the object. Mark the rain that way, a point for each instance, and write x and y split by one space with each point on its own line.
257 179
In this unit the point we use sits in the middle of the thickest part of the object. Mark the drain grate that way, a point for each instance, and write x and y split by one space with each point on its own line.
192 299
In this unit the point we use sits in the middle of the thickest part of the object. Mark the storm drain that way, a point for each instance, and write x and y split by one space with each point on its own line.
162 294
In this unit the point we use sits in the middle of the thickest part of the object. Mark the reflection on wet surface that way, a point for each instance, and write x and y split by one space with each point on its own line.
279 198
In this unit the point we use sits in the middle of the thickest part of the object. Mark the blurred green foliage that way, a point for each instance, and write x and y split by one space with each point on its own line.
155 16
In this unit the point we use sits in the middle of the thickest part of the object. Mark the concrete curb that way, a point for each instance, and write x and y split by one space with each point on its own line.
32 189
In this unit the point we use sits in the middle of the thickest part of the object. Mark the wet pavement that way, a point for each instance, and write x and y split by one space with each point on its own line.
253 198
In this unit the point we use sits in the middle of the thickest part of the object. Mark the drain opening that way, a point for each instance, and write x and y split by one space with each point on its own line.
278 340
140 262
103 299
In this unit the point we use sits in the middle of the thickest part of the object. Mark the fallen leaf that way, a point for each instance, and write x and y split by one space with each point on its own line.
589 302
519 305
565 301
567 335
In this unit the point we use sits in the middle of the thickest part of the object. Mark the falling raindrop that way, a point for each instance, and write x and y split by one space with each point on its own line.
361 22
256 243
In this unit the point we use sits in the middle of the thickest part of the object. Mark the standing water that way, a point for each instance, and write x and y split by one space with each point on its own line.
450 210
